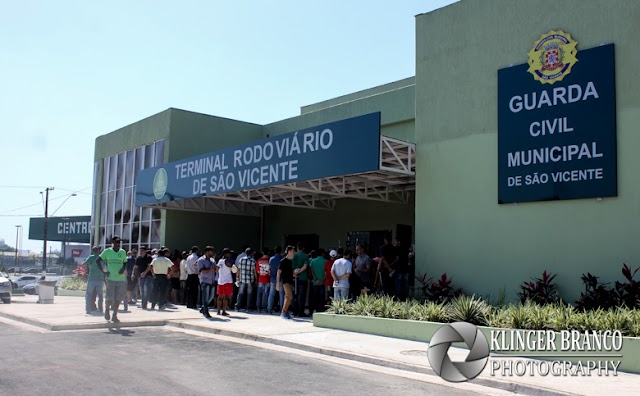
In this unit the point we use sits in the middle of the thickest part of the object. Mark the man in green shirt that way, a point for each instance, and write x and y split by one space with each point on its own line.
316 299
116 263
95 282
300 262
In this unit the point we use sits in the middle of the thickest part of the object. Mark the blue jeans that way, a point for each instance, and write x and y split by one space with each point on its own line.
245 296
146 289
317 300
272 296
402 285
160 288
94 289
340 293
207 291
263 293
301 297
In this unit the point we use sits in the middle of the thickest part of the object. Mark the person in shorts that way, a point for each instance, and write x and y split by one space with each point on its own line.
285 275
116 265
225 282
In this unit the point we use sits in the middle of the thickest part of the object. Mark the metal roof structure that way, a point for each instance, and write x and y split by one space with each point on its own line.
392 182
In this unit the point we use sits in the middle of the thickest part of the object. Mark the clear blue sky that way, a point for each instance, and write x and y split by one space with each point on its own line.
75 70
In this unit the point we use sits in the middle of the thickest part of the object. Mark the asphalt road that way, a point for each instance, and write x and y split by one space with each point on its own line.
156 361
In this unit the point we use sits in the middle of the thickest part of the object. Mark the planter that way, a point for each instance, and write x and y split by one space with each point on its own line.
423 331
73 293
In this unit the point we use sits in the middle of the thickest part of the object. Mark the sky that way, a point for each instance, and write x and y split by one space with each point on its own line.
75 70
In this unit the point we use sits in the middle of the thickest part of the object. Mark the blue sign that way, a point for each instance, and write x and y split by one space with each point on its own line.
338 148
558 141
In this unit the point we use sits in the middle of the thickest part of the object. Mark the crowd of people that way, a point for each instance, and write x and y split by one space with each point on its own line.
288 281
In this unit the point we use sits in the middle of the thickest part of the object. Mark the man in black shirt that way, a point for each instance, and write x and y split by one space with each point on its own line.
402 270
145 282
285 274
387 265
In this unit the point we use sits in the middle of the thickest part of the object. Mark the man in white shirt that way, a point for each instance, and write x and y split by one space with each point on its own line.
341 270
193 282
225 282
184 275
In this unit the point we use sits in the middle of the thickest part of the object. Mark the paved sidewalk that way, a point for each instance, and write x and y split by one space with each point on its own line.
67 313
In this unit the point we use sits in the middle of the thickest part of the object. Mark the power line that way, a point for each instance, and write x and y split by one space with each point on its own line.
35 204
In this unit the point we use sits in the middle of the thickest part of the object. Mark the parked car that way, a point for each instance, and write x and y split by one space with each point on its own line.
31 288
5 289
24 280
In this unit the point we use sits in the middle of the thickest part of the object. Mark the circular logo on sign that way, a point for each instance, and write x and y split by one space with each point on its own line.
458 371
552 57
160 182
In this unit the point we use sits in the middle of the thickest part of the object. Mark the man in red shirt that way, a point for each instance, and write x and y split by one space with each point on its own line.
328 278
264 277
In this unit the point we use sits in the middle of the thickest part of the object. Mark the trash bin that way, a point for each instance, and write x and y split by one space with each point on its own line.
46 291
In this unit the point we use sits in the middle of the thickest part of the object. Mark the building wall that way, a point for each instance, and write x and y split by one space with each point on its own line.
186 229
460 228
332 226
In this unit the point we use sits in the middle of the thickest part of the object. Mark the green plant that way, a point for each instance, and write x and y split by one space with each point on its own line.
541 291
596 295
628 293
77 284
441 290
468 309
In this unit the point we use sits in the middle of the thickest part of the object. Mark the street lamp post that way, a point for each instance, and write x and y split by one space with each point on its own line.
15 266
46 229
46 225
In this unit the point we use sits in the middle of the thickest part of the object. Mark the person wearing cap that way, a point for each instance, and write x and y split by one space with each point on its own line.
159 268
246 277
328 278
145 281
285 275
225 282
95 282
193 282
116 264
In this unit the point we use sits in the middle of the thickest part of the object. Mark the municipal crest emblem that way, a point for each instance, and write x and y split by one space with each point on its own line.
552 57
160 183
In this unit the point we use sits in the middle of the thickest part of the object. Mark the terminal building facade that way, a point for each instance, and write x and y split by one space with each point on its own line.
511 152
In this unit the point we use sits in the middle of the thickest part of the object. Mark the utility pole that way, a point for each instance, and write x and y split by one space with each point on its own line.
46 226
15 266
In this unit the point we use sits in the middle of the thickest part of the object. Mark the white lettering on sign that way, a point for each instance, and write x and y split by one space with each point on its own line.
554 97
73 227
545 155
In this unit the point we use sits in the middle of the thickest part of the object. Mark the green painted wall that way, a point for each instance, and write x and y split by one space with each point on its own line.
138 134
397 107
192 228
332 226
194 133
460 228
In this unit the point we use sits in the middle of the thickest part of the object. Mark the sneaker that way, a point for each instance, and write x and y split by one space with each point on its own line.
225 314
115 319
106 316
286 316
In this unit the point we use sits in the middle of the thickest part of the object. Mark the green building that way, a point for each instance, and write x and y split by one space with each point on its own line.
494 102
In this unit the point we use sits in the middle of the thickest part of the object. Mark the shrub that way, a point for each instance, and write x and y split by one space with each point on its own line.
596 295
440 291
628 294
468 309
76 284
541 291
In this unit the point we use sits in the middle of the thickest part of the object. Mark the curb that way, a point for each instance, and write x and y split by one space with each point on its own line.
507 386
82 326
